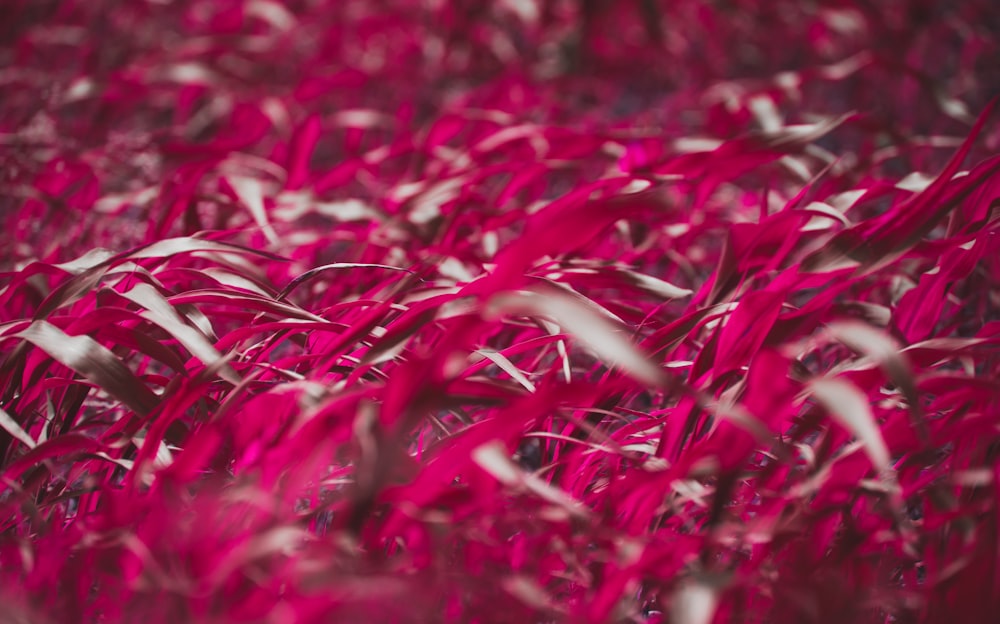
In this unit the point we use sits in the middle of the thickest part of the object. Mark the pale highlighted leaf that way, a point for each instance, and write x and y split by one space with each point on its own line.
162 313
493 458
606 339
94 362
694 602
850 408
11 426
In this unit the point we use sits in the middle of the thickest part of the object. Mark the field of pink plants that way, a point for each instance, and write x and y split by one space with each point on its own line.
524 311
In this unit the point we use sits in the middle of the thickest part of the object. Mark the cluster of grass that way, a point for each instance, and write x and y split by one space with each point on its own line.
519 311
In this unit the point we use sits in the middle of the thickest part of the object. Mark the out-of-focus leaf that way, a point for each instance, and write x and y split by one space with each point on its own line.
694 602
300 150
850 407
493 458
883 350
251 193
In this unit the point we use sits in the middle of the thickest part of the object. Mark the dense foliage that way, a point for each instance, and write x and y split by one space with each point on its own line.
674 311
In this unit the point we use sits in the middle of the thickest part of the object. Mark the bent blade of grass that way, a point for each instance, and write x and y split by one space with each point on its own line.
508 367
162 313
311 273
655 285
89 260
12 427
90 269
600 335
247 301
94 362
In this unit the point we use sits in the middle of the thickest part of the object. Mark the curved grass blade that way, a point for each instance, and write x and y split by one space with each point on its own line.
94 362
